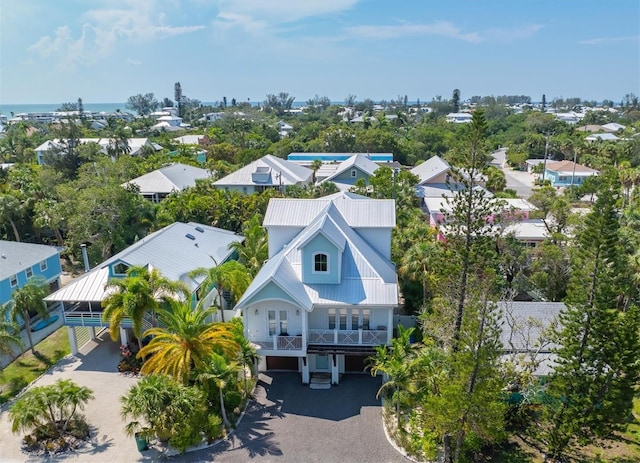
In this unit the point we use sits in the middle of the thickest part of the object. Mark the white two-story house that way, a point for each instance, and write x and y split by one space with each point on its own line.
326 296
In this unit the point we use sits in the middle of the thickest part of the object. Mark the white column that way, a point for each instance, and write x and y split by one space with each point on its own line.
335 376
73 341
92 332
305 323
390 326
124 340
305 370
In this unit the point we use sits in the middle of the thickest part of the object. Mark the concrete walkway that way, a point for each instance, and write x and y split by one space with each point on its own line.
96 368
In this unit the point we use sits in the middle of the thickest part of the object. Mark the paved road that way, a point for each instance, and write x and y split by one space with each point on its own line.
520 181
291 423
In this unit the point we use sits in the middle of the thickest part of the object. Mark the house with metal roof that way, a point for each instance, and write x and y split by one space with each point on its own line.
567 173
174 251
136 146
348 172
21 261
157 185
326 296
268 172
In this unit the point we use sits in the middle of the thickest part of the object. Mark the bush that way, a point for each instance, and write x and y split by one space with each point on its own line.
232 400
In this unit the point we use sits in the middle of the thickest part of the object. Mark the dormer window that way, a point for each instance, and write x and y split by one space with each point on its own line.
120 268
320 263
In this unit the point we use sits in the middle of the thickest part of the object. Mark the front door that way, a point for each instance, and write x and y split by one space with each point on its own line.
322 362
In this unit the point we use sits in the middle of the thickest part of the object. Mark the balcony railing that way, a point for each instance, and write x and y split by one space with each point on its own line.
281 343
78 318
348 337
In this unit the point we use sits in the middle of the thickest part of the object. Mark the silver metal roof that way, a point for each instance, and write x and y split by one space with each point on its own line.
430 168
16 256
168 250
358 161
175 177
281 172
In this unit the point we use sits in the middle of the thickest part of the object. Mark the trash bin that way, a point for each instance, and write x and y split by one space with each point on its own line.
141 442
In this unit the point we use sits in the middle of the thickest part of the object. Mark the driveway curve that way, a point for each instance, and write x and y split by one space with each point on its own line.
291 423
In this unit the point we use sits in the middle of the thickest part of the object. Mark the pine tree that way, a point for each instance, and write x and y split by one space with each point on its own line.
592 387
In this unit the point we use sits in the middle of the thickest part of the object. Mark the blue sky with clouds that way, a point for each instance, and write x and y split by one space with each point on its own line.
55 51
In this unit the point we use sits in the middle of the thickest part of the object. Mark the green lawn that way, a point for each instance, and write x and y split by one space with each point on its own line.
27 367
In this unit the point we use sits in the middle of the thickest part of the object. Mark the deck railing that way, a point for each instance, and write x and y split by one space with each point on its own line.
348 337
79 318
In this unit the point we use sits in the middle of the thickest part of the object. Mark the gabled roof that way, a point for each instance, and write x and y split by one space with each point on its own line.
174 251
358 213
520 312
274 171
602 136
430 168
367 278
567 168
357 161
189 139
135 144
16 256
175 177
613 127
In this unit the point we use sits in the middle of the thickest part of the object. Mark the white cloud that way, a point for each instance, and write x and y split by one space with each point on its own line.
283 11
442 29
104 29
601 40
134 62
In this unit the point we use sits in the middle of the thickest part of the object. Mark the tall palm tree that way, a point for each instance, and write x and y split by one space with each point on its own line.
247 354
185 341
141 291
254 250
231 276
220 372
26 301
418 263
315 165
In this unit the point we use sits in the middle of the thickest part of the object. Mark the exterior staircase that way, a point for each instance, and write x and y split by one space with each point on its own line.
320 381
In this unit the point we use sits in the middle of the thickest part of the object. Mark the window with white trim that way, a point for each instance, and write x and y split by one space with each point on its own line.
43 265
320 263
29 272
354 173
13 281
332 319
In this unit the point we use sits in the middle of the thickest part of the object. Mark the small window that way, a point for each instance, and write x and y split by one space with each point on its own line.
43 265
320 263
343 319
284 331
271 317
332 319
29 272
13 281
354 173
120 268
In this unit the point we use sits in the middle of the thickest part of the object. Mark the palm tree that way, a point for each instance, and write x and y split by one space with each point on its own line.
10 211
231 276
247 354
254 250
26 301
315 165
141 291
418 262
185 341
9 335
49 408
221 372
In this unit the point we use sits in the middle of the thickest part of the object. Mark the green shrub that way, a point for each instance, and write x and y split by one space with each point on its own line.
232 400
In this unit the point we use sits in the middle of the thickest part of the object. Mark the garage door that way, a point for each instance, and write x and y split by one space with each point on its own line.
355 363
282 363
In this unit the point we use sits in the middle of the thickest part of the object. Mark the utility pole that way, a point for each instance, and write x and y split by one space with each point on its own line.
573 175
546 153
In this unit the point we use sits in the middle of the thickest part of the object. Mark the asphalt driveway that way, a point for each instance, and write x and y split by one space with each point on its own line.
290 422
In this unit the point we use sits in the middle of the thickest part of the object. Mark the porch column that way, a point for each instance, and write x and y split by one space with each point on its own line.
92 332
335 377
305 370
390 326
73 341
305 323
124 340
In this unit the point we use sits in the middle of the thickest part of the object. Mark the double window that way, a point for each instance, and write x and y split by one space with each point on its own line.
349 319
43 265
13 281
29 272
320 263
277 320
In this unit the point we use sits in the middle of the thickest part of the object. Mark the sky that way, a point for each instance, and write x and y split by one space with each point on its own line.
58 51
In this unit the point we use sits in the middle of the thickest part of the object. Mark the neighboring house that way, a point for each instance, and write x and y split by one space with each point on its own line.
348 172
524 333
613 127
191 139
567 173
169 123
268 172
136 145
607 136
532 164
157 185
459 118
21 261
308 158
326 296
284 129
530 232
570 118
174 251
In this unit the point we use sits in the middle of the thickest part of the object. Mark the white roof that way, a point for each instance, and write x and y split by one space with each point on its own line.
16 256
174 251
175 177
135 144
602 136
366 277
614 126
358 213
357 161
528 230
430 168
518 204
273 171
189 139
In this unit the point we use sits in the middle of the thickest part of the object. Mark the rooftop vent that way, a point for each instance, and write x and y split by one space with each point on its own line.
190 236
200 229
